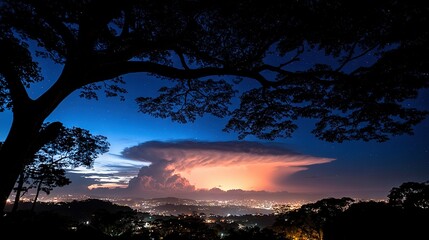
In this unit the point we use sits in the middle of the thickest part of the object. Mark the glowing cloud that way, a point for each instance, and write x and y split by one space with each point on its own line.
187 165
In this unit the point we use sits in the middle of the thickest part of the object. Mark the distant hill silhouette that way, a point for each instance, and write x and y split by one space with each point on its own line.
76 210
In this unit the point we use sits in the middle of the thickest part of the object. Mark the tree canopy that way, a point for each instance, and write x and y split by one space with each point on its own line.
106 40
410 195
196 44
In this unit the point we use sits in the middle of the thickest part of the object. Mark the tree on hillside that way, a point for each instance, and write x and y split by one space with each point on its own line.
410 195
73 147
195 43
378 220
310 220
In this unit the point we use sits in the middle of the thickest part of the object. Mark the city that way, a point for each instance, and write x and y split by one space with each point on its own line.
175 218
177 206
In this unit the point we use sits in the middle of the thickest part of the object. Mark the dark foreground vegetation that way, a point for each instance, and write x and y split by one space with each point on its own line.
404 216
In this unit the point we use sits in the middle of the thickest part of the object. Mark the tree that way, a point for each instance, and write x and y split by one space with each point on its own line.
194 43
410 195
185 227
47 179
251 233
378 220
73 147
310 220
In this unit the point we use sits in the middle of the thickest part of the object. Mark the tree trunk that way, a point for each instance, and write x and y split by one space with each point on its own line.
17 151
13 161
18 192
25 138
22 143
9 172
39 186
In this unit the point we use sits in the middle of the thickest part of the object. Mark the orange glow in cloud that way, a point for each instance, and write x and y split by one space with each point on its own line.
245 177
206 169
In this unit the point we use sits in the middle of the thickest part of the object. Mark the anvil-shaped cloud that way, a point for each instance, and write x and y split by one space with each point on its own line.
187 166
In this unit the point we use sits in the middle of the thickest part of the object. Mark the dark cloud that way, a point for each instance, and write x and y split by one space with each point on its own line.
146 150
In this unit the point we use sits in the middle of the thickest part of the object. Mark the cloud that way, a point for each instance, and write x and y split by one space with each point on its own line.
109 171
160 177
191 166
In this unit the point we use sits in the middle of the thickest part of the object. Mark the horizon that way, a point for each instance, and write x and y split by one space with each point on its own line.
174 206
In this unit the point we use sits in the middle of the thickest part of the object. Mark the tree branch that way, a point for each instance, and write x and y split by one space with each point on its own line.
18 94
124 48
57 25
182 59
272 68
351 58
109 71
295 58
48 134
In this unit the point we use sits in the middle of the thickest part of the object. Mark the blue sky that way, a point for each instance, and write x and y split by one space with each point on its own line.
357 169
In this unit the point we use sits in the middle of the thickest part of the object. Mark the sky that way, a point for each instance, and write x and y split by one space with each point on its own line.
152 157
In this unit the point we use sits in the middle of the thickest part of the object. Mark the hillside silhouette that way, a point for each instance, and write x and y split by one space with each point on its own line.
403 216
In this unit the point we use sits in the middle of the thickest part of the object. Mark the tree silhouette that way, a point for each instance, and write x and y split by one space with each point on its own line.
251 233
378 220
194 43
73 147
310 220
410 195
46 179
185 227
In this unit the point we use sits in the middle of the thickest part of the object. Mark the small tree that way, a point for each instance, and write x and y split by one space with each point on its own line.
46 178
73 147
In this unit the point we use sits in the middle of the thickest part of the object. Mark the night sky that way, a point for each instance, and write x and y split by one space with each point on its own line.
152 157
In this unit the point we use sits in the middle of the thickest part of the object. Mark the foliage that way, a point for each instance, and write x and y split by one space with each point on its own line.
378 220
184 227
250 233
410 195
73 147
332 218
309 221
186 41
